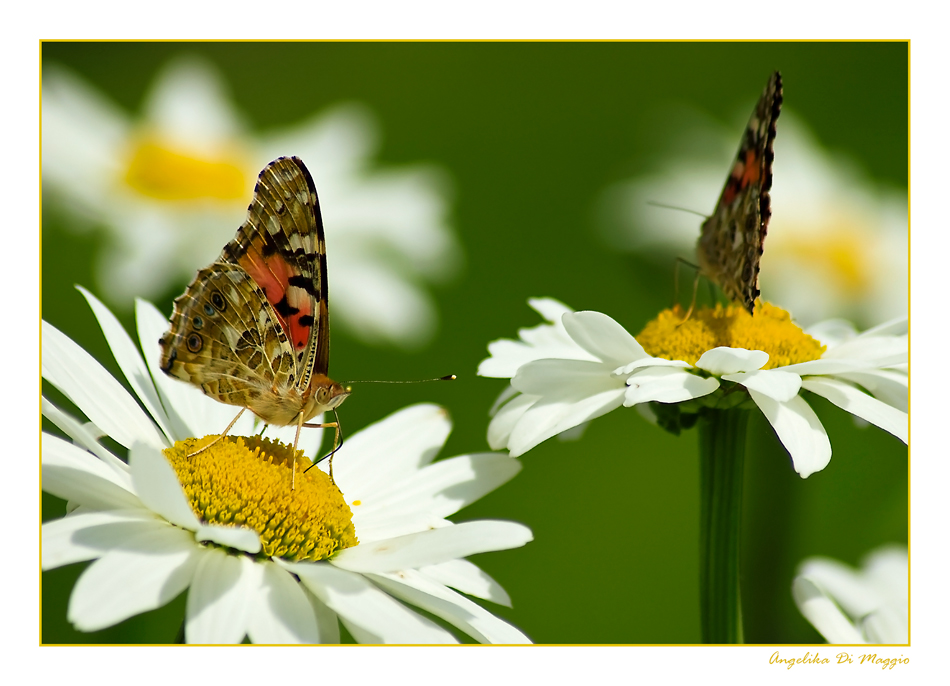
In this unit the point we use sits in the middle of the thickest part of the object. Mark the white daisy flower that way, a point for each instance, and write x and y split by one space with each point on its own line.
581 365
259 559
867 605
172 185
837 243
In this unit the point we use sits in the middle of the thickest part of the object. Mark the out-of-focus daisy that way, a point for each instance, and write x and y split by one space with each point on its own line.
172 184
257 558
581 365
837 242
847 605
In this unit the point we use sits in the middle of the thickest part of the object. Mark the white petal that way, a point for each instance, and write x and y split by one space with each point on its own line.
549 308
826 366
70 473
564 377
409 438
550 416
822 613
503 397
476 621
158 486
799 430
87 535
238 537
666 385
328 624
506 419
603 337
129 360
893 327
841 582
884 626
724 360
832 332
280 611
776 383
143 572
377 616
883 351
645 362
437 491
466 577
93 390
219 599
886 385
81 434
860 404
433 547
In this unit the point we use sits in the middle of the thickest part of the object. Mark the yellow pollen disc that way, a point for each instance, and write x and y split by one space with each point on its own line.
246 482
161 173
771 330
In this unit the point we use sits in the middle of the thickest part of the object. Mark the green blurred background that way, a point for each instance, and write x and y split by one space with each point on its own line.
531 133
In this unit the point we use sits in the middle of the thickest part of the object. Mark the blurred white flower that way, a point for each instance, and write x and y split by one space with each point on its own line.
837 242
171 185
867 605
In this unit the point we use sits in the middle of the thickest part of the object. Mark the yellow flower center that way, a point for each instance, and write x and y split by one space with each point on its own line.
246 482
157 171
770 330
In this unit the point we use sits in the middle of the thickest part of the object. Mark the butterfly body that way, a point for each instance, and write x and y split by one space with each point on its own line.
732 238
252 328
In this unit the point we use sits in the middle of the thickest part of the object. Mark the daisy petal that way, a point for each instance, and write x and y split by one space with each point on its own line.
799 430
505 420
860 404
328 624
437 491
823 614
158 486
218 605
410 439
550 416
778 384
884 384
722 360
237 537
70 473
91 388
129 360
466 577
416 589
549 308
432 547
557 377
603 337
885 627
375 616
87 535
666 385
141 573
81 435
280 611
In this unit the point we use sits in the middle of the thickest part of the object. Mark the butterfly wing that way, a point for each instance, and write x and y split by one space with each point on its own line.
731 242
282 247
252 328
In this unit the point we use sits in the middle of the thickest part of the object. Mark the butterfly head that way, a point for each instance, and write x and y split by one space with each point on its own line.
329 395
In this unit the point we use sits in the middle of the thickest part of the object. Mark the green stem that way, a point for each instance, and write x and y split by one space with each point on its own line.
722 439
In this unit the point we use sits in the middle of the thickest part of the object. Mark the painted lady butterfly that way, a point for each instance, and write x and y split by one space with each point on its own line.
252 328
730 245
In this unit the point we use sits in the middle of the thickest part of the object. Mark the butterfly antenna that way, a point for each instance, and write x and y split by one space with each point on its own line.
448 377
674 207
676 285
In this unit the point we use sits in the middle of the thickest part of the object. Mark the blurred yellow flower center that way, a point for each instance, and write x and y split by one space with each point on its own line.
157 171
841 257
771 330
246 482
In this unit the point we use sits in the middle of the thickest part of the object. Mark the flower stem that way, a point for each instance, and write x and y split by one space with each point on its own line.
722 439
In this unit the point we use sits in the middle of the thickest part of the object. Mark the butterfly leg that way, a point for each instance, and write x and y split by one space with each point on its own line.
692 303
221 435
337 444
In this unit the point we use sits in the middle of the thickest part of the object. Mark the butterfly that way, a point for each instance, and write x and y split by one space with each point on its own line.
731 241
252 328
